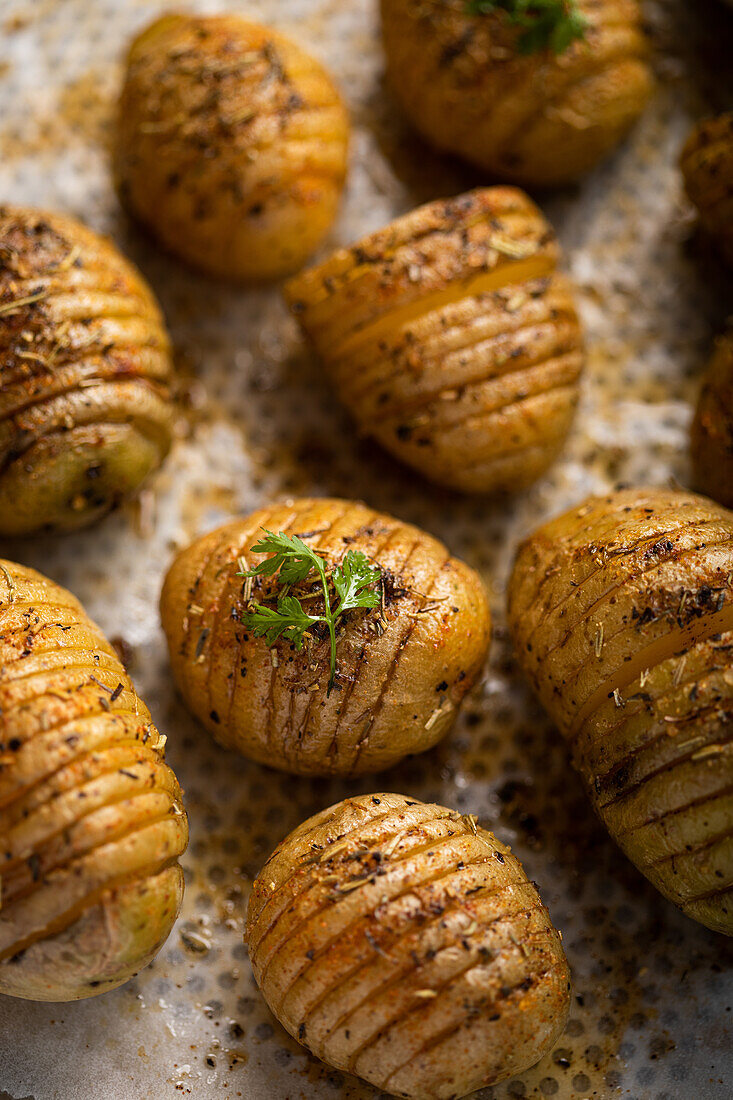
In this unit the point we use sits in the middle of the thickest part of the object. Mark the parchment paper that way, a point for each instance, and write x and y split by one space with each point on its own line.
652 990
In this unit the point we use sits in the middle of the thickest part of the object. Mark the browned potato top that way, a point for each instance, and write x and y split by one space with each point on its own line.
622 615
402 668
90 816
452 338
540 118
712 428
401 942
231 144
707 167
85 370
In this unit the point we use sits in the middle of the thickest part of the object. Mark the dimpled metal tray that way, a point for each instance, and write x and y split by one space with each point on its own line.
651 1012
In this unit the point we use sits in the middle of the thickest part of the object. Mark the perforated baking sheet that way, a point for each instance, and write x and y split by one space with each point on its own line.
651 1016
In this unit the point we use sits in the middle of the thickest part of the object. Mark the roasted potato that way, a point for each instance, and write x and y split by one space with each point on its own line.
90 816
622 615
712 428
540 118
707 167
402 668
401 942
231 145
452 339
85 374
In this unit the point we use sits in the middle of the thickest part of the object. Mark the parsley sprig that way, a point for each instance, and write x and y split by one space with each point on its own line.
546 24
293 561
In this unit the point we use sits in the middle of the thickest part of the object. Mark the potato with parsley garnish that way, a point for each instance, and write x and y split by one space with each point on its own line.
707 167
91 818
532 93
453 339
403 943
85 375
622 616
231 145
324 638
712 427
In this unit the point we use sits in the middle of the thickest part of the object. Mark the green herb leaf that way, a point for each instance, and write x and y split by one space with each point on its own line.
289 621
352 580
290 556
545 24
293 562
567 31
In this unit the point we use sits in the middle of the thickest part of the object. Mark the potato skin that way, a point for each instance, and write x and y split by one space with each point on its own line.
452 339
401 942
622 616
91 820
539 120
85 374
707 167
231 145
397 691
712 427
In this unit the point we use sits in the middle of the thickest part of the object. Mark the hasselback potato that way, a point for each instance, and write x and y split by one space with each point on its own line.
401 942
707 167
622 615
231 144
402 667
91 822
712 427
452 338
534 109
85 371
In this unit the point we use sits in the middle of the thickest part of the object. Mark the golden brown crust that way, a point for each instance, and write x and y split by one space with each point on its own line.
402 670
707 167
91 819
231 144
85 371
452 339
402 942
712 428
540 119
622 617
